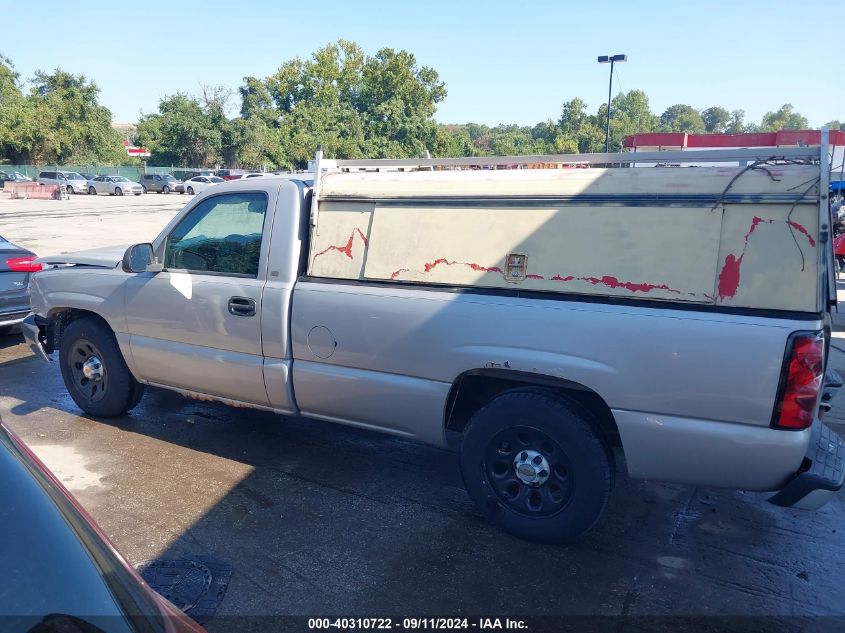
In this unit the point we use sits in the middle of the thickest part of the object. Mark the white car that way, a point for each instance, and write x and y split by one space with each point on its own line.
201 183
114 186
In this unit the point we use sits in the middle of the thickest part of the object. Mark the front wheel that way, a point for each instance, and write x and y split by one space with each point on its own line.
190 191
94 371
165 189
69 190
92 191
535 466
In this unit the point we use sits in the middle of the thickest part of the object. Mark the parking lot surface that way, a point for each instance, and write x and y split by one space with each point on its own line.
319 519
50 227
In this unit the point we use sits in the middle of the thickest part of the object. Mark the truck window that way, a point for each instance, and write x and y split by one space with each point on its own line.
222 234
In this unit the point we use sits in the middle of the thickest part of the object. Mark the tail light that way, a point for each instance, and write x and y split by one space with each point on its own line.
23 264
800 381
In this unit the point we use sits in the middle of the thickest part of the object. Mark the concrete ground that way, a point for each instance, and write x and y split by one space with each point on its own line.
318 519
50 227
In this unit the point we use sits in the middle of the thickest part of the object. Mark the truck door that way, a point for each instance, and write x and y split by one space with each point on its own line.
197 325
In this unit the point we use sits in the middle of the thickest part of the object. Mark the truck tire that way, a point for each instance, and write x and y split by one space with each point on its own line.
535 466
94 371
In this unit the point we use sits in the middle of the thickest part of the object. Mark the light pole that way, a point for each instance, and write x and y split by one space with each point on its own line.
603 59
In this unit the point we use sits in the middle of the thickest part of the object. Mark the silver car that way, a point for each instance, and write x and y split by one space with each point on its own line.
114 186
16 264
73 182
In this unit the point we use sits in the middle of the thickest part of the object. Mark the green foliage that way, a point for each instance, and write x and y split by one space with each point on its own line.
716 119
184 132
682 118
60 120
786 118
736 124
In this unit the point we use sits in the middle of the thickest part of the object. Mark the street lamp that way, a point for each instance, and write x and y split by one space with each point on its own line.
603 59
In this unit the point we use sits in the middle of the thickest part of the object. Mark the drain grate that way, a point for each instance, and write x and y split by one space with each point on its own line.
197 586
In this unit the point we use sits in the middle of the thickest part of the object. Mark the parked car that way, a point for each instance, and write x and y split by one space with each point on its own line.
229 174
159 183
60 571
14 176
500 311
88 175
114 186
73 182
16 265
201 183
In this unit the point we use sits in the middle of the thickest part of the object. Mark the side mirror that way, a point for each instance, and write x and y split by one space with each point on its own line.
140 258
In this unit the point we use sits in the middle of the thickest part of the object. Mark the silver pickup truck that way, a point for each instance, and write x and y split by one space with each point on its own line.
556 325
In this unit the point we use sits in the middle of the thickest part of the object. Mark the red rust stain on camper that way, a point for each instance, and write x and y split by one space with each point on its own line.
534 277
491 269
801 229
428 267
729 276
346 249
613 282
731 273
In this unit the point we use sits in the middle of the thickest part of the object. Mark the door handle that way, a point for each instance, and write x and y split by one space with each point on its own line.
242 306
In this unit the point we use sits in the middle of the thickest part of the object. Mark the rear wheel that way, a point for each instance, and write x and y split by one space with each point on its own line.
143 189
69 190
535 467
165 189
118 191
92 191
94 371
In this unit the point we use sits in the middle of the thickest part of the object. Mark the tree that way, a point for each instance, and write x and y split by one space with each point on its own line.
835 125
351 104
184 132
577 130
786 118
256 100
682 118
736 123
397 102
716 119
634 105
64 122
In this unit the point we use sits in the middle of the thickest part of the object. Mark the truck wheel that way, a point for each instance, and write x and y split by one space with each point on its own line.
94 371
535 467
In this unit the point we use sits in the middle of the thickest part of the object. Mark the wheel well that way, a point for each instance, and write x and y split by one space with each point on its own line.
59 319
475 388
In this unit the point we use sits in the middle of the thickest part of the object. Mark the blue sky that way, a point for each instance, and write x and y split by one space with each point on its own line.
503 62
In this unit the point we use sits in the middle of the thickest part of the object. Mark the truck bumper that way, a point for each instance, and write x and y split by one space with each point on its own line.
34 328
821 475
